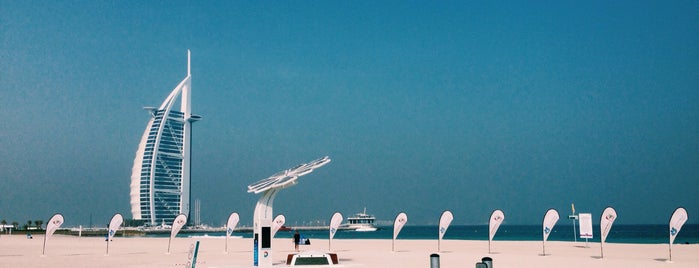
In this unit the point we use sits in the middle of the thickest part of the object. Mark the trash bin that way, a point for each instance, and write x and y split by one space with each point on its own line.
488 261
434 260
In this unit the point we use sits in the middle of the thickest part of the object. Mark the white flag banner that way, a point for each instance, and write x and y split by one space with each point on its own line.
335 222
401 219
679 217
177 225
51 226
278 223
444 222
233 220
605 225
605 222
550 220
585 225
114 225
496 218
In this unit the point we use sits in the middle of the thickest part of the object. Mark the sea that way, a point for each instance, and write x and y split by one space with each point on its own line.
620 233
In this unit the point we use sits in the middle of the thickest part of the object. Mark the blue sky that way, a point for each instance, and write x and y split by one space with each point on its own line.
422 107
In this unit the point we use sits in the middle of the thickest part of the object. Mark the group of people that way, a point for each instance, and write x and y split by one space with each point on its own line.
297 241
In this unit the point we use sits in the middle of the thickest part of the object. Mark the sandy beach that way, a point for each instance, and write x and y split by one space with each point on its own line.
71 251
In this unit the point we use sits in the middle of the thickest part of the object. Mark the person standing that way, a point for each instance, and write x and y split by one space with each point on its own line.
297 240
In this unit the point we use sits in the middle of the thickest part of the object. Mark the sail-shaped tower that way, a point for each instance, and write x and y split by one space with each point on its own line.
160 178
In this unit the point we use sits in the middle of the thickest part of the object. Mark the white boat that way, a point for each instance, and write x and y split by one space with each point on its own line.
360 222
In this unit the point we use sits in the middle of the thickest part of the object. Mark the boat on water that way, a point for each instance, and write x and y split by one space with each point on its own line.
360 222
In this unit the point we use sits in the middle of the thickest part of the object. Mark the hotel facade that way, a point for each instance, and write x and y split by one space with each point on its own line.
161 173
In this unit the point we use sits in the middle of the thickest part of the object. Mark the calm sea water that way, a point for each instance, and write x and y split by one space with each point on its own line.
643 234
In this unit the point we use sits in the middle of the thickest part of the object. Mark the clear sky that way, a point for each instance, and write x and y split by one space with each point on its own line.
422 107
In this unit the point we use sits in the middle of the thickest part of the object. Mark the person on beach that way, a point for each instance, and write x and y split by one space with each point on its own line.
297 240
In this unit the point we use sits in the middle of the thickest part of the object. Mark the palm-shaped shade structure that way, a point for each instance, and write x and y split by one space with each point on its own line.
286 178
269 187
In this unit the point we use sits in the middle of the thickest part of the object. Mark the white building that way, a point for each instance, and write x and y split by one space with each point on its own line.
160 178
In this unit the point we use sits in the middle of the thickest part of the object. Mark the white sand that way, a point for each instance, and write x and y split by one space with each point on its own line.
70 251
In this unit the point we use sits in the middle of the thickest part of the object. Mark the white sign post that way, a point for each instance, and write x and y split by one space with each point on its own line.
585 226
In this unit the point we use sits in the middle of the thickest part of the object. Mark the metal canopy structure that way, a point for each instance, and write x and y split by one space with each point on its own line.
263 217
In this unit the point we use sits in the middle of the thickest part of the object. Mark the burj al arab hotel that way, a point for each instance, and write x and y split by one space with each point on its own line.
160 178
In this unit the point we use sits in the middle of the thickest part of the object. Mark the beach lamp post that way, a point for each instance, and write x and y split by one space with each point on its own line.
262 217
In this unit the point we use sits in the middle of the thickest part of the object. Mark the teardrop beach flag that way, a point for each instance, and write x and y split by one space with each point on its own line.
401 219
114 225
679 217
496 218
335 222
550 220
605 225
232 223
277 224
444 222
177 224
230 226
51 226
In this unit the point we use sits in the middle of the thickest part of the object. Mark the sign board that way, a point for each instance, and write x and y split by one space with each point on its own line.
585 225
